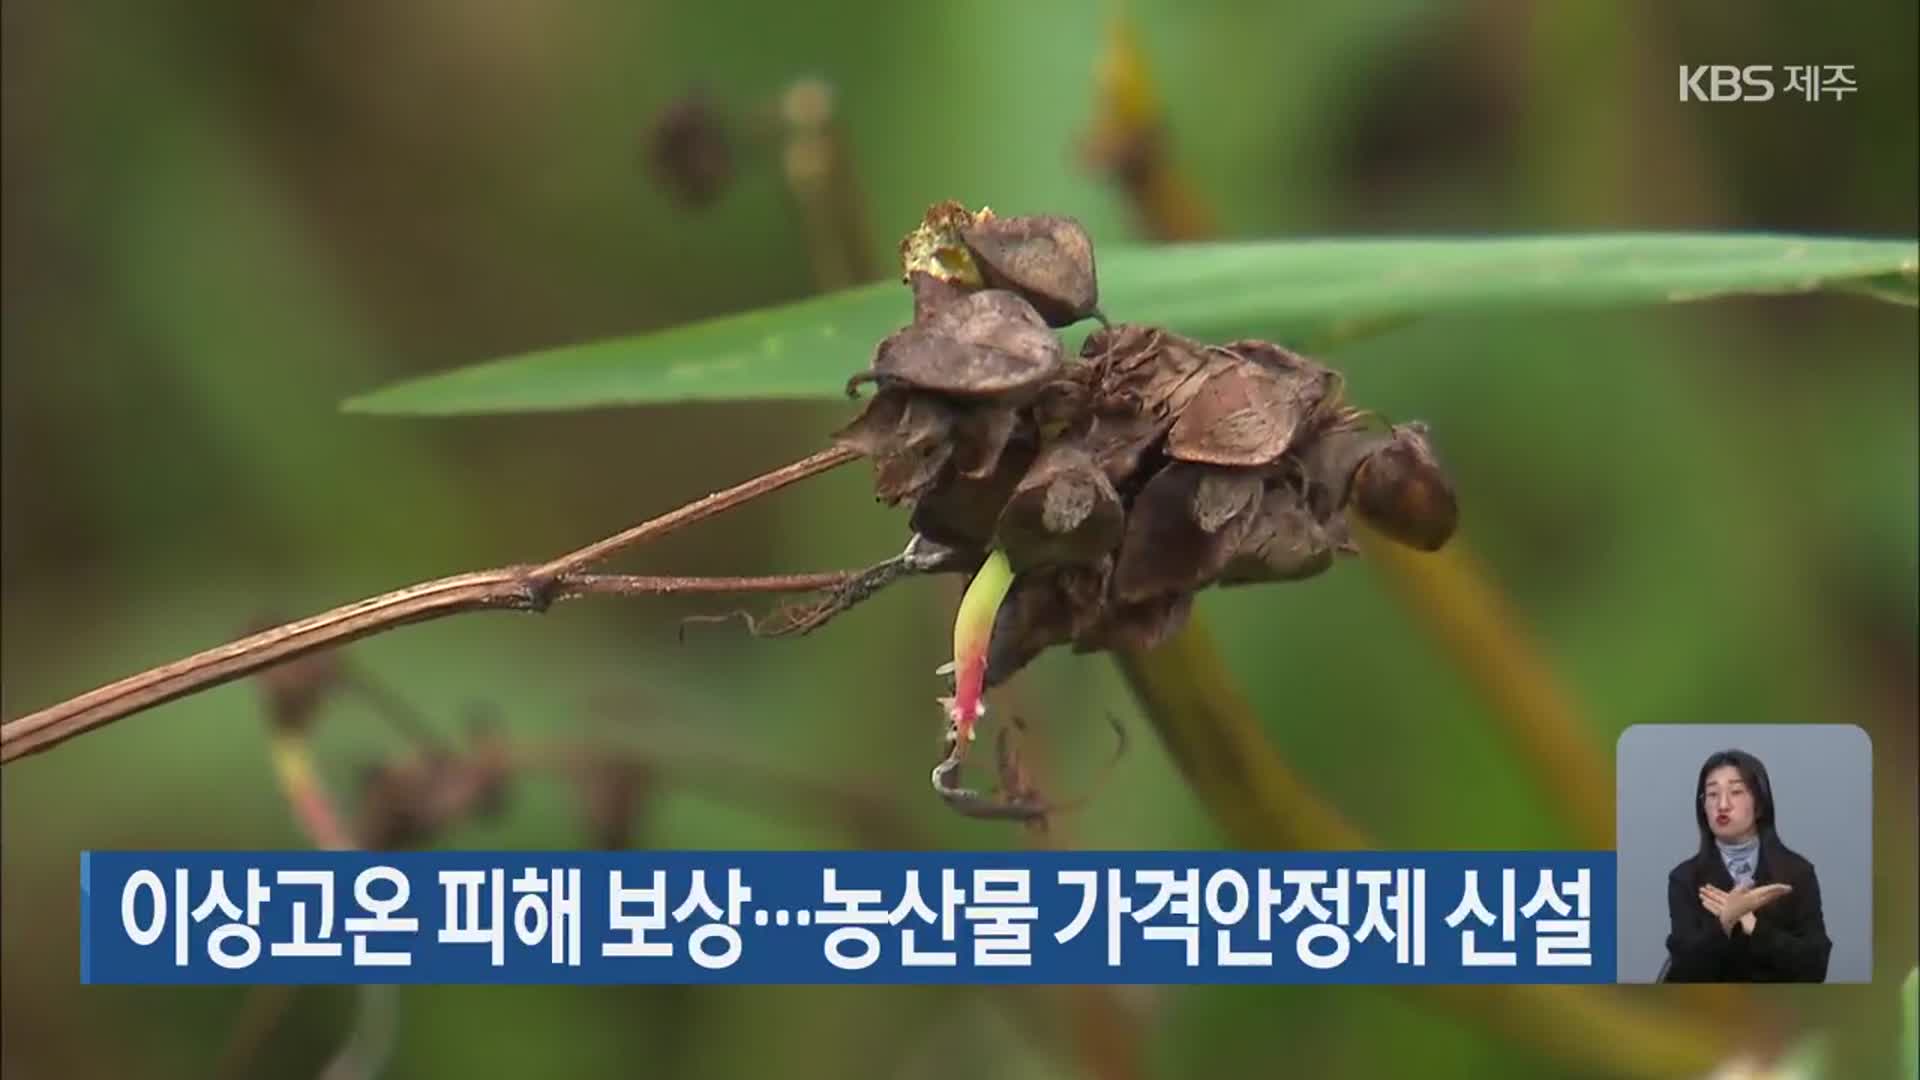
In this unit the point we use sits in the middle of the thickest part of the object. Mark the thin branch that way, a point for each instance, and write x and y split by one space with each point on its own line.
512 588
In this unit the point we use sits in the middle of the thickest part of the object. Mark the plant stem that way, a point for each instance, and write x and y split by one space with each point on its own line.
512 588
1220 746
1472 621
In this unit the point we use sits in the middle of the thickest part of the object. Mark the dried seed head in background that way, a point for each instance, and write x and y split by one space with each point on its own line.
296 689
1123 481
689 152
409 802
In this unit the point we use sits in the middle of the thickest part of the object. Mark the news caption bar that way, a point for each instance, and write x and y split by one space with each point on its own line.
286 917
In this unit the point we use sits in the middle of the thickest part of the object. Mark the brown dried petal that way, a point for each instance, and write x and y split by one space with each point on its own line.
983 344
1065 510
1046 259
933 294
1166 550
1402 491
1284 543
909 438
1246 414
875 430
980 436
961 511
1005 323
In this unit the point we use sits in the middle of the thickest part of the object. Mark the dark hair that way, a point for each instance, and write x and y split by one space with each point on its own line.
1754 773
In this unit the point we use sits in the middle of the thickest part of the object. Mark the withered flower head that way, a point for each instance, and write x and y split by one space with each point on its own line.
1121 482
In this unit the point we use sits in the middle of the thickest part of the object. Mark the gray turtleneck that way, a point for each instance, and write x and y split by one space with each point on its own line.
1742 859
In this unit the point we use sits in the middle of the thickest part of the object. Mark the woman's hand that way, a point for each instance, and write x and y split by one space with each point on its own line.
1739 905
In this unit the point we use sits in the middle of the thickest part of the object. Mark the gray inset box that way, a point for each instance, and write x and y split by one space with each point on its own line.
1822 787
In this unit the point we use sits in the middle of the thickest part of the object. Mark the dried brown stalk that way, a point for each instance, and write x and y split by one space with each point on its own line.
511 588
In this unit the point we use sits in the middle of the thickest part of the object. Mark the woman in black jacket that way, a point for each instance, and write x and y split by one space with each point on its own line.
1745 907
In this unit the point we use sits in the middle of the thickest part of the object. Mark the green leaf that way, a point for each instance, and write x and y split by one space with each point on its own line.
1307 293
1910 1023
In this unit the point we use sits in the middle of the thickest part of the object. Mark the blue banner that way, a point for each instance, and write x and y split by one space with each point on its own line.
846 917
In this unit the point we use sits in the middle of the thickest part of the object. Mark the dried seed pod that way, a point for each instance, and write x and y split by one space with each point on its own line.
1248 412
1168 547
1046 259
1286 542
984 344
1064 510
962 511
1401 490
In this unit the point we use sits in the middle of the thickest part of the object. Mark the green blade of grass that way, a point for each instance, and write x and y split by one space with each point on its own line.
1910 1024
1307 291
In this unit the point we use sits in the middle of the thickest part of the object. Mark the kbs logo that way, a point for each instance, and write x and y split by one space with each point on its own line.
1725 82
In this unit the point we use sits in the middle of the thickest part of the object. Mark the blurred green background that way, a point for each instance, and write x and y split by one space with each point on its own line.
223 218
